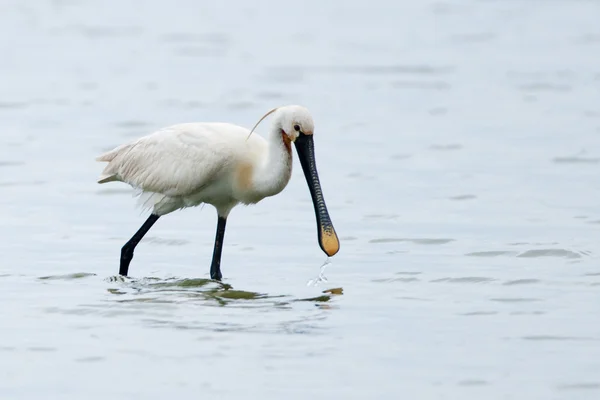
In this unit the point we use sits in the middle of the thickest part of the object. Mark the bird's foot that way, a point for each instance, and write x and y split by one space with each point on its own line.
216 275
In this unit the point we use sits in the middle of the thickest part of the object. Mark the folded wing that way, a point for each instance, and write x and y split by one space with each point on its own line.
175 161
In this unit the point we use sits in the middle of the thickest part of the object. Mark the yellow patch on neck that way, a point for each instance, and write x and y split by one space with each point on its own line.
244 176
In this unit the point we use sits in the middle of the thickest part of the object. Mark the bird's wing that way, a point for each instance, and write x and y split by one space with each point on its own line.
175 161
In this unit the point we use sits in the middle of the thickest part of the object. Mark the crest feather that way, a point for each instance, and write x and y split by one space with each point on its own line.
260 120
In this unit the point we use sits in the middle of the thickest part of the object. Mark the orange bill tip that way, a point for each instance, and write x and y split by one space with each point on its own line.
329 242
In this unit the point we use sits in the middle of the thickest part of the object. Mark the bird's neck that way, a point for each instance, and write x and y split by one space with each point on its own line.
275 172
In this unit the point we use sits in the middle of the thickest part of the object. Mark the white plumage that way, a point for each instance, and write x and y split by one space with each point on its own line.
217 163
188 164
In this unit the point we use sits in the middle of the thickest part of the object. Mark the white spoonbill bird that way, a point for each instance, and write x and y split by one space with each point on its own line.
221 164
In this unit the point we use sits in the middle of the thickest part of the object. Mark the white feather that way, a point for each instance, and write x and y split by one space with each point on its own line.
187 164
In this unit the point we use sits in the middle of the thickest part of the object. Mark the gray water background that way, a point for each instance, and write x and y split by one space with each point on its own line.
458 148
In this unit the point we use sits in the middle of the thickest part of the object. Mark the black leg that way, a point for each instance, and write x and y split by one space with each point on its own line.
127 250
215 266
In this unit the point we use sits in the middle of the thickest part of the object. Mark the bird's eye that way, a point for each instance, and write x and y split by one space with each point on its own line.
297 128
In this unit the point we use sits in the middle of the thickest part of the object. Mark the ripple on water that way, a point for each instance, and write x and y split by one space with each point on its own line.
22 183
112 192
399 69
413 298
580 386
431 241
129 124
108 31
153 290
463 197
533 243
76 275
478 313
522 282
358 175
576 160
151 301
470 38
381 216
473 382
11 163
445 8
285 74
553 338
514 300
220 39
183 104
538 87
421 85
88 86
438 111
527 313
13 104
491 253
446 147
560 253
241 105
401 156
465 279
397 279
167 242
90 359
270 95
42 349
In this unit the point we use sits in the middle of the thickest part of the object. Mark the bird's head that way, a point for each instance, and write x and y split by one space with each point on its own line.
297 124
294 121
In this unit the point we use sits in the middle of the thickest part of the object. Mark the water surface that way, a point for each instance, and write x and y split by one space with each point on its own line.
458 148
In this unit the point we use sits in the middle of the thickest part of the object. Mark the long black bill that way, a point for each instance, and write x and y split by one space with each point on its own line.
328 239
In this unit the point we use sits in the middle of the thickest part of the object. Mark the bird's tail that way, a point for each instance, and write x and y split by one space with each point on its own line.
109 175
111 154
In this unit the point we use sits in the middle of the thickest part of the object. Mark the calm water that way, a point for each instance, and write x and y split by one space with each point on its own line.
459 148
